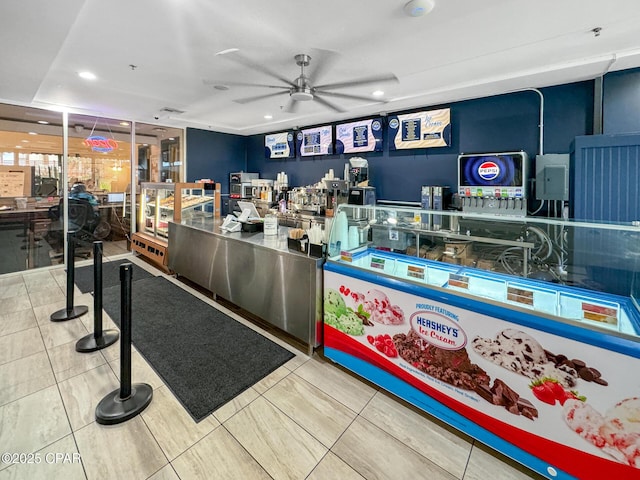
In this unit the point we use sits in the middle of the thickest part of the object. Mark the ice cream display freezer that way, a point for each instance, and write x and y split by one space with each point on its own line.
539 363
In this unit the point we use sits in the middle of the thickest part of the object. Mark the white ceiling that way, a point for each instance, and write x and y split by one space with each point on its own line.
463 49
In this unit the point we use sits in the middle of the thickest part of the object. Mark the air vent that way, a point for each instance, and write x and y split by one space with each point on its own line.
172 110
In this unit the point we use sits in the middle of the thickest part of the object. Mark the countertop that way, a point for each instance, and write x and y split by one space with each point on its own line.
275 242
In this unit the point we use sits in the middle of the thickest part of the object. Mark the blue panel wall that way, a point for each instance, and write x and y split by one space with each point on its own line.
605 170
493 124
214 155
621 98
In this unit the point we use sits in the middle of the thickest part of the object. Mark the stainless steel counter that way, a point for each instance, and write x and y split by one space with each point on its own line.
257 273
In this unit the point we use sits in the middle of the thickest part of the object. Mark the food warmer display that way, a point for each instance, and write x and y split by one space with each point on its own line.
161 203
521 332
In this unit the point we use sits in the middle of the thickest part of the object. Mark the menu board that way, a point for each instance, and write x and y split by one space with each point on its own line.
315 141
420 129
361 136
279 145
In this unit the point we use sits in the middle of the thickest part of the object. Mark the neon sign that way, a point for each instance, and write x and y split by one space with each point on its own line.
101 144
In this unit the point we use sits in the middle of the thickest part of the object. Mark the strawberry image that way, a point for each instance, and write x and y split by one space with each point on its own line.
549 390
558 390
543 392
573 395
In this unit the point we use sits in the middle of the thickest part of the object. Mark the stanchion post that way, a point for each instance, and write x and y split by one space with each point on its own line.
125 315
71 311
129 400
98 339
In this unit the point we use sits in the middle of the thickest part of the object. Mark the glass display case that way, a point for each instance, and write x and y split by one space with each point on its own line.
476 318
161 203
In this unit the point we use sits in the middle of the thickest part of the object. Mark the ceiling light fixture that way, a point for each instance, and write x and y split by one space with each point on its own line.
268 117
32 133
418 8
228 50
87 75
124 124
378 93
43 122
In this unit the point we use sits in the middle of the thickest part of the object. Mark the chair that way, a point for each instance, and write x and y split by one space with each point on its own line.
84 219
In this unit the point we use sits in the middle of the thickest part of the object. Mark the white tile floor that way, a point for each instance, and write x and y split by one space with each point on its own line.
307 420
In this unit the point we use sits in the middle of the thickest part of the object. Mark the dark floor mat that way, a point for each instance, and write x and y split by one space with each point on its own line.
204 356
83 276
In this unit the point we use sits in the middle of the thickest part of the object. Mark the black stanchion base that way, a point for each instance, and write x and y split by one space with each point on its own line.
91 343
64 314
113 410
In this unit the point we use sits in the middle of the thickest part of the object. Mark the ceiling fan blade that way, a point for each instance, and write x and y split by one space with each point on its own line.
241 84
328 104
258 97
291 106
321 62
389 77
346 95
235 57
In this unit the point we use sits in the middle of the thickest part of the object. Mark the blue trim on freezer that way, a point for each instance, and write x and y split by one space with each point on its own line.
577 333
425 402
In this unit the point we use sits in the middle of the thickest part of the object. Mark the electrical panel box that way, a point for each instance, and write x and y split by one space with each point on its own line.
552 177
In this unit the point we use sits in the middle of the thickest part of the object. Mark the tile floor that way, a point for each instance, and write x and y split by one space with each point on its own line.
307 420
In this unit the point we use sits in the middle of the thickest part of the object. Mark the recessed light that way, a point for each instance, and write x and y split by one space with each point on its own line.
24 141
43 122
18 146
87 75
268 117
378 93
32 133
124 124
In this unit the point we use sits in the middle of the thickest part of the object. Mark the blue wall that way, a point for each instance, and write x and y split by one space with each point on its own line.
621 110
493 124
214 155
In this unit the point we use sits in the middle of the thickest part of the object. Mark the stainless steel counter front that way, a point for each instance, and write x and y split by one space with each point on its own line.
257 273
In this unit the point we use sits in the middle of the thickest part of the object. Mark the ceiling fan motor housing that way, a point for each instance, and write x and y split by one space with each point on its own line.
301 94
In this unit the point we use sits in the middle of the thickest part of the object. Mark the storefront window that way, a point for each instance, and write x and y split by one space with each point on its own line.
99 160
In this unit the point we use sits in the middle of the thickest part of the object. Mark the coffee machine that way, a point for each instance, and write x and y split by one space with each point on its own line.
337 192
360 193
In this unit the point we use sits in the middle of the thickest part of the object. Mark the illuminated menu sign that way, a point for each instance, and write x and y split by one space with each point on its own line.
279 145
420 129
362 136
315 141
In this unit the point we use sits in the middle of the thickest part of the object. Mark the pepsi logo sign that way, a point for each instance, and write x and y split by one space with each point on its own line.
488 170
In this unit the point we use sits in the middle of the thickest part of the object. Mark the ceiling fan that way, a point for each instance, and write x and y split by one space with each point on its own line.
303 88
